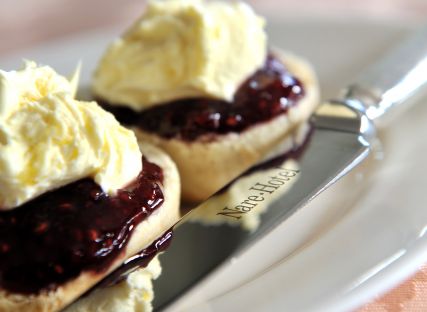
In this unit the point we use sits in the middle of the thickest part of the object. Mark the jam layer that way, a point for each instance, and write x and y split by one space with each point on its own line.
140 260
269 92
53 238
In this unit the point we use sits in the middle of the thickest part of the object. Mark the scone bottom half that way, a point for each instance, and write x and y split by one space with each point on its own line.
60 244
212 141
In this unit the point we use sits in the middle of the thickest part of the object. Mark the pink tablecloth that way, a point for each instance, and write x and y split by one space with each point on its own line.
27 22
411 295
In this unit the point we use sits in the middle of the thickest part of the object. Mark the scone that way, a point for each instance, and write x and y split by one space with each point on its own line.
198 79
77 196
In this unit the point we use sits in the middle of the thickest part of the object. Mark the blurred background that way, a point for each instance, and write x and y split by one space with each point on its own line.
24 23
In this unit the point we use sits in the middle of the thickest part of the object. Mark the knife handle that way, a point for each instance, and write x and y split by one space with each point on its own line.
393 79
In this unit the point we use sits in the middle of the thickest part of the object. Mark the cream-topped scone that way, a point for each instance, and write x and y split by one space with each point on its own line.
79 194
197 79
49 139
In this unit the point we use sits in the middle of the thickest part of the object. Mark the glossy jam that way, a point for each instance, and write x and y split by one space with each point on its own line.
269 92
53 238
140 260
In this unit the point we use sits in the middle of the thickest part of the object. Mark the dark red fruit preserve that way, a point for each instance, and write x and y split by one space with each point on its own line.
269 92
140 260
53 238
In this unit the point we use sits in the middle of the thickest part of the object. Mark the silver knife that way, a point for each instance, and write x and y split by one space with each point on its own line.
344 129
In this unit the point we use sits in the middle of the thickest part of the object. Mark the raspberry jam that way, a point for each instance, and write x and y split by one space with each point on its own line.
53 238
138 261
269 92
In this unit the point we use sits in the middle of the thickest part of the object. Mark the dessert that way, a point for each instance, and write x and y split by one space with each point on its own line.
77 196
197 79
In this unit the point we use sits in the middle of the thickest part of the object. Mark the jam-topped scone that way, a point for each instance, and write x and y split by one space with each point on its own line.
77 196
198 79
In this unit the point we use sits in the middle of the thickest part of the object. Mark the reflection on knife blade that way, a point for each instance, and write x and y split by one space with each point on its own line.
343 129
198 249
243 200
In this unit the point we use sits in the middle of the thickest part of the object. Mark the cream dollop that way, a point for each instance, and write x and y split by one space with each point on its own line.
49 139
181 49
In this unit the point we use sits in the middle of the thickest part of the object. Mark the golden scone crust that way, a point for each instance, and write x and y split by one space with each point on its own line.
144 234
207 165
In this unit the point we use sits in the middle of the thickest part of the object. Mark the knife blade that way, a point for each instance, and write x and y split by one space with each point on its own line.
342 136
197 249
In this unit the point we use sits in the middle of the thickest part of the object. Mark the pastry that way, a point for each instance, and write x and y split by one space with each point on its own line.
198 80
77 196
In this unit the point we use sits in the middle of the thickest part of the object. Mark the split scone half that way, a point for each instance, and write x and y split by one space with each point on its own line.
58 296
211 161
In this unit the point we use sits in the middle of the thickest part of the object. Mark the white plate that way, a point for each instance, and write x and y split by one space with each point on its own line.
356 240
